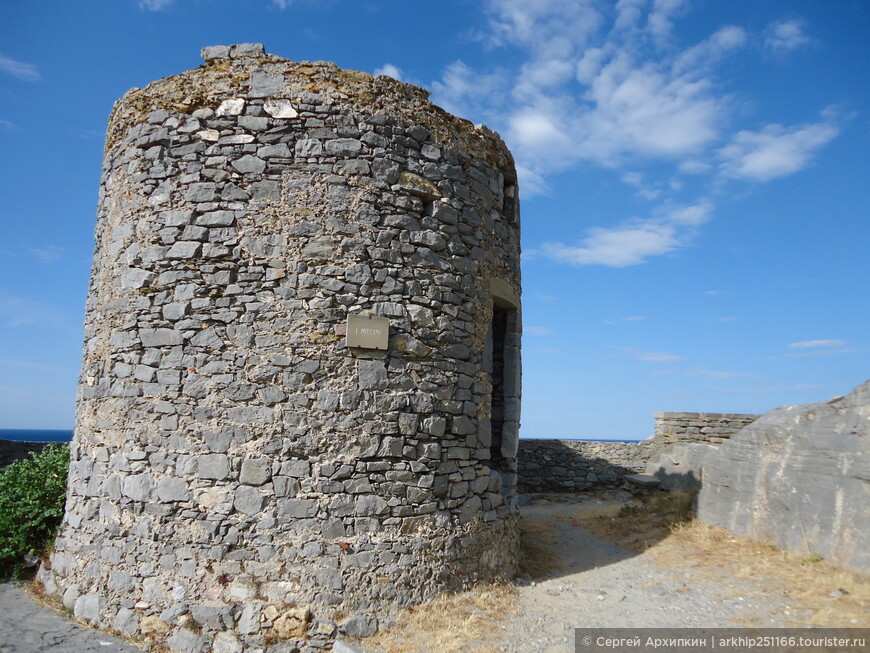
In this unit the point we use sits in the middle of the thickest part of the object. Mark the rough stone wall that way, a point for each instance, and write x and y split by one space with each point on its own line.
12 450
799 477
577 465
712 428
240 476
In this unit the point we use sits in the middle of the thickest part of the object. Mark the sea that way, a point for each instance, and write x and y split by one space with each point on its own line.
37 435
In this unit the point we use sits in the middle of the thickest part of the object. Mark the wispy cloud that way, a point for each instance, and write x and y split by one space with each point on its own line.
468 92
775 151
610 85
154 5
623 320
6 125
649 356
25 71
828 347
702 372
538 330
786 35
282 4
47 254
768 389
390 70
816 344
20 312
632 242
29 365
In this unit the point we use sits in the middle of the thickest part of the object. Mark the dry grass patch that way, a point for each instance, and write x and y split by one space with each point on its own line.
832 596
644 524
450 623
825 594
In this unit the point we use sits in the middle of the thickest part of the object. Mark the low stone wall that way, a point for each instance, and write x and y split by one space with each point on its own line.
577 465
12 450
712 428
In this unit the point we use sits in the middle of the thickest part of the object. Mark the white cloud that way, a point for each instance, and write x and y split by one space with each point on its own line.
540 25
633 242
390 70
775 151
811 348
538 330
692 215
27 72
5 124
608 84
785 36
702 372
467 92
20 312
628 13
530 182
622 320
708 52
816 344
659 21
650 356
46 254
618 247
158 5
282 4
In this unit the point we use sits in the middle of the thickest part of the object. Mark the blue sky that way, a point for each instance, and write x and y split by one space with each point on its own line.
694 182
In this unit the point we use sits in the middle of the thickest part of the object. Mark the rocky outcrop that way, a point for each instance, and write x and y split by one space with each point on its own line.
679 467
798 477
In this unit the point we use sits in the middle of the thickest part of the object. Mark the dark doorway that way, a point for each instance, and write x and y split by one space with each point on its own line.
496 368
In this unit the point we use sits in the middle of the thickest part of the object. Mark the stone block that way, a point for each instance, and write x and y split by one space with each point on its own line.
255 471
213 466
87 608
265 85
248 500
372 375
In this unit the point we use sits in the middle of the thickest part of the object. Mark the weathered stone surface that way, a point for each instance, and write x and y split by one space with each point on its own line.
799 476
362 625
232 452
679 466
87 608
213 466
255 471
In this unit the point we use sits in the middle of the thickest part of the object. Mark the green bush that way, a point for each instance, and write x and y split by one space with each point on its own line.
32 495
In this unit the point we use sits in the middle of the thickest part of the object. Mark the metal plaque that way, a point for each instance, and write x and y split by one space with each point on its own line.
368 332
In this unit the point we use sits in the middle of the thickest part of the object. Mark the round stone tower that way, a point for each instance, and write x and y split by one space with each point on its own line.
299 402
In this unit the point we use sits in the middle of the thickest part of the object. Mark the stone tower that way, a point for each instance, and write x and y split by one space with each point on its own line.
299 402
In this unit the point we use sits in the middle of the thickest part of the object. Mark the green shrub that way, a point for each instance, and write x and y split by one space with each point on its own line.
32 495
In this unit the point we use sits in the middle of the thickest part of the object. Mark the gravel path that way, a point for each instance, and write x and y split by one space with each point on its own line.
601 585
27 627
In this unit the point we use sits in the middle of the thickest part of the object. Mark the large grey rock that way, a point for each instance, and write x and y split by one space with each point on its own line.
798 477
679 466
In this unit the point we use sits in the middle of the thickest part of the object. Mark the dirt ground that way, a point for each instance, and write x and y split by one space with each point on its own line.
677 576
